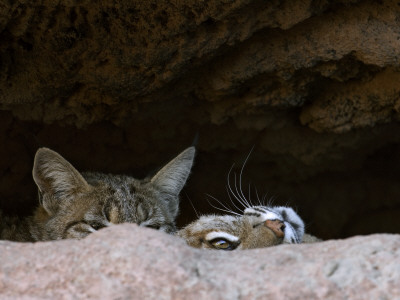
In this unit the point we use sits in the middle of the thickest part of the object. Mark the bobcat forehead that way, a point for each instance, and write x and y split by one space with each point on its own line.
220 234
262 213
210 221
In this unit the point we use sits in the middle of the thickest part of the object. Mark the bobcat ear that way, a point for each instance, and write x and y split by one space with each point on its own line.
172 177
56 178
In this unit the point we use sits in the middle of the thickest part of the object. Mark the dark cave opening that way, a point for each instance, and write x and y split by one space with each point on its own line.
346 190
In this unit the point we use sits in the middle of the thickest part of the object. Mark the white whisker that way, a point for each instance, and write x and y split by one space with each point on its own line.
238 194
230 189
191 203
241 171
249 192
225 209
221 209
230 198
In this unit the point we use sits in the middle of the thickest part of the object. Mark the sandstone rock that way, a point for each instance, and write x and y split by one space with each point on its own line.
128 262
82 62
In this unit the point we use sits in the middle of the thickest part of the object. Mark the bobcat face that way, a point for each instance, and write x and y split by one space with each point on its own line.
73 205
258 227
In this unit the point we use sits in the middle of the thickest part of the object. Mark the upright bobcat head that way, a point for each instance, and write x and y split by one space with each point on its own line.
258 227
72 205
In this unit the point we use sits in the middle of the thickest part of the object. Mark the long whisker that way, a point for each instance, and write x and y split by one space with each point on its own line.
221 209
241 171
270 201
250 193
191 203
224 206
230 189
251 202
238 194
227 208
230 198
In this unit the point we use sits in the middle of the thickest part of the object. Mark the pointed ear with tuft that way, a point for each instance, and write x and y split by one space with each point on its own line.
172 177
56 179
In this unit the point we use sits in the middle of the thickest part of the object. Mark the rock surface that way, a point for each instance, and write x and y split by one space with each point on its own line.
128 262
337 61
123 87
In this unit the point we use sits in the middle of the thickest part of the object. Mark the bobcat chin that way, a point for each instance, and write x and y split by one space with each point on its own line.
73 205
258 227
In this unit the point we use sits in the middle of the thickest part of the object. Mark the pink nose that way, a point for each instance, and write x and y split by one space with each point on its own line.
277 226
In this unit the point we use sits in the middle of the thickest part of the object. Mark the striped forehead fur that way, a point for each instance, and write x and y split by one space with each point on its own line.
213 221
262 213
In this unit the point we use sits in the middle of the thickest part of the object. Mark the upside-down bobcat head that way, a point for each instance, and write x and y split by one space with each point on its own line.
258 227
72 205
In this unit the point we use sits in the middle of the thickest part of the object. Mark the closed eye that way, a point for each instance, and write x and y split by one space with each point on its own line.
96 225
153 226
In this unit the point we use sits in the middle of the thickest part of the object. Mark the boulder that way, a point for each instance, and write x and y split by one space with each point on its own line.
129 262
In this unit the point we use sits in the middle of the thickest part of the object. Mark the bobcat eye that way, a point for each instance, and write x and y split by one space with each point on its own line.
153 226
223 244
96 225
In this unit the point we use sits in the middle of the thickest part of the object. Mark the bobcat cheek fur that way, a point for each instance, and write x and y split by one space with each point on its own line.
73 205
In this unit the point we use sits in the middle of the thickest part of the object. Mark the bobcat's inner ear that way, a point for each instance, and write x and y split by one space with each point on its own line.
172 177
56 178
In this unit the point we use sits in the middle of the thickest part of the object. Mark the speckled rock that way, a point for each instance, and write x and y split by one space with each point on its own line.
128 262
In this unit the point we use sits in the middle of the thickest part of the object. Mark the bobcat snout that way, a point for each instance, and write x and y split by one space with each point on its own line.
277 226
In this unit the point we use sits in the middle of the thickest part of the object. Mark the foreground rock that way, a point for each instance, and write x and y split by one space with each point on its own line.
127 262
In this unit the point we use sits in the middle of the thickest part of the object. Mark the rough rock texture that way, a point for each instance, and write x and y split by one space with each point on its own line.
81 63
123 87
128 262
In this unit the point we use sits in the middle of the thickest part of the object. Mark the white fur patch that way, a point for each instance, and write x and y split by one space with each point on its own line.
294 225
292 234
265 215
220 234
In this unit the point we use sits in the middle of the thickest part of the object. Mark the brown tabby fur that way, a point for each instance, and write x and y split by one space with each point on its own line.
72 205
241 232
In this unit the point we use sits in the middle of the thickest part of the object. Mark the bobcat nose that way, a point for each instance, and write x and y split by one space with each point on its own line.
277 226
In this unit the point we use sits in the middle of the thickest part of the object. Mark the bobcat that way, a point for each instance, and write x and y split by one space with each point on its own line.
258 227
73 205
